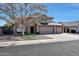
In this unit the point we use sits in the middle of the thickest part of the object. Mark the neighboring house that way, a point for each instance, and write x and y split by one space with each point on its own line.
39 23
71 27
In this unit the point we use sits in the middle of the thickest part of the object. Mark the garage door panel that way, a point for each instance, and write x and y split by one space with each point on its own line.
46 30
59 30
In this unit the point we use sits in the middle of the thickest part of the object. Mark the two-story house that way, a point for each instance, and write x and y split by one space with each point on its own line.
43 24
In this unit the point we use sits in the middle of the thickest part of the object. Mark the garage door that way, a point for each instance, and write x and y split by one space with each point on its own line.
59 30
46 30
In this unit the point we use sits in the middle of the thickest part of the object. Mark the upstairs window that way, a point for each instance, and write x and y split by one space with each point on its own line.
43 19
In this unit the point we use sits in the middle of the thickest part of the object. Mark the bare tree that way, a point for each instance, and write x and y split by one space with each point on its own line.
11 12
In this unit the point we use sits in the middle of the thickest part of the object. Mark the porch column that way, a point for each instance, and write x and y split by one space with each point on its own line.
38 29
63 29
55 30
28 28
35 28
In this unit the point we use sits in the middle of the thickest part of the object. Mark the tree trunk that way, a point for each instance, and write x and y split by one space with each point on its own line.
23 32
14 31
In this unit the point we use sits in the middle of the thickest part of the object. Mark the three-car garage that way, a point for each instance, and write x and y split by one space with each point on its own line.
50 29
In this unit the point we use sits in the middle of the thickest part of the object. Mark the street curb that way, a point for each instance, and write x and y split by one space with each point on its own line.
30 42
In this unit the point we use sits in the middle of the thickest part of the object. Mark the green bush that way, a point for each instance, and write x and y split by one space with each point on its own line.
30 37
30 33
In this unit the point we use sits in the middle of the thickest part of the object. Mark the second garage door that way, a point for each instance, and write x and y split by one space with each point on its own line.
46 30
59 30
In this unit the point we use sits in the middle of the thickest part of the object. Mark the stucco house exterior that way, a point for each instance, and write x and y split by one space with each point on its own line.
43 24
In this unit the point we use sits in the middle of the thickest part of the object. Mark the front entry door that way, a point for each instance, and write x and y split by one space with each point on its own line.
32 29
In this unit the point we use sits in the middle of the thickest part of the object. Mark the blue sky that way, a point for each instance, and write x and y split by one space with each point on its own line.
62 12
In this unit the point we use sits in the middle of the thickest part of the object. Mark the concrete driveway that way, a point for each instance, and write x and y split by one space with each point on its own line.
64 36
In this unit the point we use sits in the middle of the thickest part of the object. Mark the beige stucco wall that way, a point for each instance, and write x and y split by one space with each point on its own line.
37 28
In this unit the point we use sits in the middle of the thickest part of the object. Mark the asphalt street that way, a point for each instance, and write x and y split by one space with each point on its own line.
70 48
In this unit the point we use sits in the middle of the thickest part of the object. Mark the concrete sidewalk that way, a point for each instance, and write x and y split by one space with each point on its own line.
29 42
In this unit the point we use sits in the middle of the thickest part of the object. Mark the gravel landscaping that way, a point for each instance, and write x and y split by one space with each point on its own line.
20 38
63 36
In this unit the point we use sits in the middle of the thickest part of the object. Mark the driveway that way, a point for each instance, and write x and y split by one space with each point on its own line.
64 36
